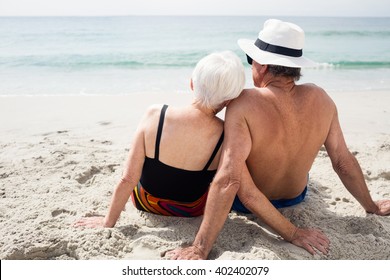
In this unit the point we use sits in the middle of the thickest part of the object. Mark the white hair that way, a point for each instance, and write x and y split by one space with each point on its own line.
217 78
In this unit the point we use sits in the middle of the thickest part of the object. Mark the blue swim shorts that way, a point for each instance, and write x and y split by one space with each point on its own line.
279 203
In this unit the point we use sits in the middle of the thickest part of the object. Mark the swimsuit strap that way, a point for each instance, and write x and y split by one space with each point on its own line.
159 131
214 152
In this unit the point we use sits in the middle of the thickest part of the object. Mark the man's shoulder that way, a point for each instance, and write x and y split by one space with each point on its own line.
245 104
253 97
318 96
244 98
250 94
312 88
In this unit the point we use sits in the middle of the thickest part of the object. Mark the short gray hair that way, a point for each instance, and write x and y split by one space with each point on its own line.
284 71
217 78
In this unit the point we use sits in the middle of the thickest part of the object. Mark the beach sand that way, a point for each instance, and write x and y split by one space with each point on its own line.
61 158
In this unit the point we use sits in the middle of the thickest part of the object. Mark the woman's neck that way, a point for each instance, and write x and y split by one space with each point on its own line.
207 111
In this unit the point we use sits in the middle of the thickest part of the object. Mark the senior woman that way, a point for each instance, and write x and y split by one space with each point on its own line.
175 151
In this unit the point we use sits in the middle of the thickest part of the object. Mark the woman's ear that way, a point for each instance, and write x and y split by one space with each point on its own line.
191 84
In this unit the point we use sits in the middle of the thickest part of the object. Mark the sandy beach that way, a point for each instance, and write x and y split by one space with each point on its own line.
61 158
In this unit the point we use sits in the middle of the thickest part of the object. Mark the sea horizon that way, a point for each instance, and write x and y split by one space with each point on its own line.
88 55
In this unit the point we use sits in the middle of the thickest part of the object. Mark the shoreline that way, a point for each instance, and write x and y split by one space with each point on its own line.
360 112
61 157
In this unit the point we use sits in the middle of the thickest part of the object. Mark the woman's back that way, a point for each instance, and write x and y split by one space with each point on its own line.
188 137
181 156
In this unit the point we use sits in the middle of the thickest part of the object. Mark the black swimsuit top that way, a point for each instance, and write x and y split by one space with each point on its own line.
164 181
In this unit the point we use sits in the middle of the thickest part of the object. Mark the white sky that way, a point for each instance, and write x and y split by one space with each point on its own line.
195 7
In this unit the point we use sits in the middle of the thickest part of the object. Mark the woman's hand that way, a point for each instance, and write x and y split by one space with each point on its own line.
90 222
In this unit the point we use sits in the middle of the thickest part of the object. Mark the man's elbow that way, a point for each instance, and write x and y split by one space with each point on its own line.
227 184
344 164
234 185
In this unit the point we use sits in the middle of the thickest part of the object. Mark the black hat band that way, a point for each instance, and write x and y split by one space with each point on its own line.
277 49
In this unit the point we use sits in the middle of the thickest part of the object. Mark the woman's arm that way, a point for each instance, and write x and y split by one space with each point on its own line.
129 179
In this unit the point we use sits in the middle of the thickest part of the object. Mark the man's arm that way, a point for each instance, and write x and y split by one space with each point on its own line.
235 150
258 204
348 169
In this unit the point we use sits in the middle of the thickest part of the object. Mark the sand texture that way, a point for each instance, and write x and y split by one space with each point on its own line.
61 157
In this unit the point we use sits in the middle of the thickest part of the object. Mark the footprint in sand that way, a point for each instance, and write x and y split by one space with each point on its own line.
112 167
384 175
82 178
89 174
105 142
129 230
338 199
43 251
4 175
385 147
58 212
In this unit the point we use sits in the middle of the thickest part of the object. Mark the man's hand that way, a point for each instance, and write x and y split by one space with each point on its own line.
311 239
384 207
90 222
188 253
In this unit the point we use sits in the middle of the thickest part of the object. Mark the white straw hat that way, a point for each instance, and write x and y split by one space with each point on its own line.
279 43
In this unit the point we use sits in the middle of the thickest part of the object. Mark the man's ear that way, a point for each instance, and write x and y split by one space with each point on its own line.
264 68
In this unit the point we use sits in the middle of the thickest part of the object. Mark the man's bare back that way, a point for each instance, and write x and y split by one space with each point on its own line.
287 126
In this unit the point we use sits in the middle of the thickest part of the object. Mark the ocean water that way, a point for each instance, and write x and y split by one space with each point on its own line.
124 55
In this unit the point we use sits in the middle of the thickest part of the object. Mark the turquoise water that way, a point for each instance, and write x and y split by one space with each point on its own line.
123 55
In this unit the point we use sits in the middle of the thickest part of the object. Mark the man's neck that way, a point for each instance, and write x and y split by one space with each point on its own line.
281 83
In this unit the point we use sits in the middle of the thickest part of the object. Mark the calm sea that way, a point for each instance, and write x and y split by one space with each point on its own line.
123 55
